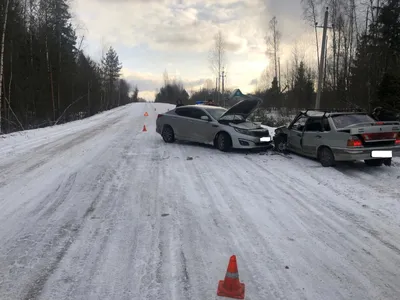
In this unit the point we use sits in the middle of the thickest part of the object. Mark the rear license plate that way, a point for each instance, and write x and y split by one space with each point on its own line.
265 139
381 154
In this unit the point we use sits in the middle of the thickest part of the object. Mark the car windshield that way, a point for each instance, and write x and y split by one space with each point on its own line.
216 113
342 121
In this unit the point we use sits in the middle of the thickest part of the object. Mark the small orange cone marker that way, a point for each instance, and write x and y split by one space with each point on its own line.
144 128
146 114
231 287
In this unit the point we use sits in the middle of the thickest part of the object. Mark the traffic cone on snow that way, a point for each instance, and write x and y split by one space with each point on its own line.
146 114
231 287
144 128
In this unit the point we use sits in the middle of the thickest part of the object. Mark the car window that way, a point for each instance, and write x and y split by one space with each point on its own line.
216 113
342 121
299 124
325 124
184 111
314 124
197 113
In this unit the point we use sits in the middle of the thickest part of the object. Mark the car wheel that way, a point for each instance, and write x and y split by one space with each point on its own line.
168 134
374 162
224 142
280 143
326 157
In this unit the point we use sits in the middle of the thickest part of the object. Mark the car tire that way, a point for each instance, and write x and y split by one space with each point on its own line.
326 157
374 162
224 142
168 134
280 143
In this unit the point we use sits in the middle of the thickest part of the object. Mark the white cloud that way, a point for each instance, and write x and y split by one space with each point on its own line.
181 32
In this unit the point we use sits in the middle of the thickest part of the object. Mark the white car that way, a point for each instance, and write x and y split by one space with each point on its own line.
218 126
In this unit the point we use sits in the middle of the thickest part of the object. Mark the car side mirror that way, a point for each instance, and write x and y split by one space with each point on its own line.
205 118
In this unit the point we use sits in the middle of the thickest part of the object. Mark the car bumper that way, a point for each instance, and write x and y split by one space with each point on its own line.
250 143
345 154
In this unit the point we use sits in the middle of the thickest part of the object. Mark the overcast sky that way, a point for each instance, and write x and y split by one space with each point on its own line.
153 35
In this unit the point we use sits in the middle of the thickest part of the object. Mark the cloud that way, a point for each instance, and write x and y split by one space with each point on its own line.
171 25
178 34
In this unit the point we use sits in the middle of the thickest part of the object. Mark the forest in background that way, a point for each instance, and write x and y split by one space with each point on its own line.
362 65
46 77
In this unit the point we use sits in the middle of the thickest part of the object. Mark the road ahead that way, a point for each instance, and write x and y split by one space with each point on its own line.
98 209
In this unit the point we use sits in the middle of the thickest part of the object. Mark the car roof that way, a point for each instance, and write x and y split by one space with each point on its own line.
317 113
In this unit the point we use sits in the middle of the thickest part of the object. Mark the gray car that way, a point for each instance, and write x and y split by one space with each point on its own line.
223 128
340 136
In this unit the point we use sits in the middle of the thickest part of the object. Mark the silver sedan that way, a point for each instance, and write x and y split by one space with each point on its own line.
223 128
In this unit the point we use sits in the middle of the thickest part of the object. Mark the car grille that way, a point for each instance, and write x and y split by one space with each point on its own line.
260 133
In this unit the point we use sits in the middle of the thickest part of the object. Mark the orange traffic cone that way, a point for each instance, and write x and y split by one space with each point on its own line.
144 128
146 114
231 287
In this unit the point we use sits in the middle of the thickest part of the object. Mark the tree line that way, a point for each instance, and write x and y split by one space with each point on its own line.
45 77
362 66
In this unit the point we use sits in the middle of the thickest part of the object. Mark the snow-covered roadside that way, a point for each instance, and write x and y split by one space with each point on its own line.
28 139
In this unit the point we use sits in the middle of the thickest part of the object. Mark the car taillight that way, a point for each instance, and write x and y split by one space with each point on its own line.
398 139
379 136
159 116
354 142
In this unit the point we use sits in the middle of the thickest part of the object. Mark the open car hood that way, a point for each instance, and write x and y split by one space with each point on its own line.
244 108
248 125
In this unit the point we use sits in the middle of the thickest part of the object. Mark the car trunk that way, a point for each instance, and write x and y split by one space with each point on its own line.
376 134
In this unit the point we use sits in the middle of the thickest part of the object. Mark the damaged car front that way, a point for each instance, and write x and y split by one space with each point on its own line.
245 134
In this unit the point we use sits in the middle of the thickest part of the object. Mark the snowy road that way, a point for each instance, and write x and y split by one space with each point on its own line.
98 209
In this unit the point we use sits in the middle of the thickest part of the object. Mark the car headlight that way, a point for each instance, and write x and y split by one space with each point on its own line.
243 131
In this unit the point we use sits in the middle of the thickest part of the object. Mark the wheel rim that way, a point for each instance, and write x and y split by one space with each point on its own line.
281 146
167 134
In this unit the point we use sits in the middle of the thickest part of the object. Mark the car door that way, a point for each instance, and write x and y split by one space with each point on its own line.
296 133
312 136
181 123
202 130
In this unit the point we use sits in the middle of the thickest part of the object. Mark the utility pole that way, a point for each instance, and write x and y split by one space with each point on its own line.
216 89
279 74
223 85
322 60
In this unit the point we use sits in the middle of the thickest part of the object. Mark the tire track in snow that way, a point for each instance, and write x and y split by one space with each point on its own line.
103 213
351 217
52 245
336 224
41 155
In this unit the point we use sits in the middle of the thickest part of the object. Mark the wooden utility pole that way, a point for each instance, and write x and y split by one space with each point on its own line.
223 86
216 89
279 74
322 60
